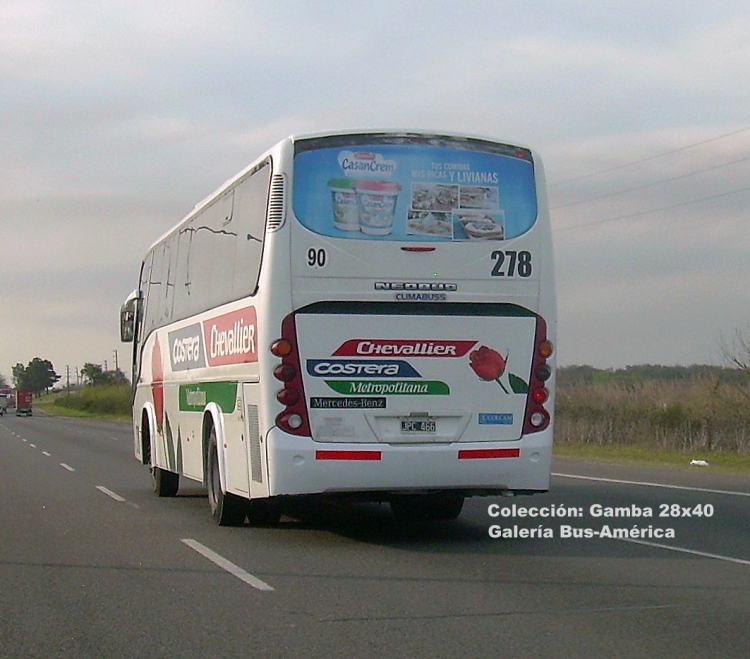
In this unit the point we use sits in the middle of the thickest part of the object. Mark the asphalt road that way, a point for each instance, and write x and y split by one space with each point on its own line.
92 564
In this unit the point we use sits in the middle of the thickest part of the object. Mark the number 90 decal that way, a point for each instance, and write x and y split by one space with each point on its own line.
509 263
317 257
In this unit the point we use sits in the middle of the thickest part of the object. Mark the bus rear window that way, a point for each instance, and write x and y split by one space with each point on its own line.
413 189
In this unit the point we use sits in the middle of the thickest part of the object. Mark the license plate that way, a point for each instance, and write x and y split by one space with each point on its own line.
418 425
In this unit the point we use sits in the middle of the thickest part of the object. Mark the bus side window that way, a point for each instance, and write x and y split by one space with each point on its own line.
153 287
251 208
182 282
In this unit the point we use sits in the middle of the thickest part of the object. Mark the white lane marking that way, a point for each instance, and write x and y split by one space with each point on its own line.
32 445
68 467
24 439
47 453
646 484
695 552
658 545
110 493
224 564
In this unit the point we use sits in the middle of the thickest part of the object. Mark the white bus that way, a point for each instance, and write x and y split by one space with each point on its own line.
367 315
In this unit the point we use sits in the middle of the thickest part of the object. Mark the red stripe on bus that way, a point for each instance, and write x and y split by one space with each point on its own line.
347 455
483 453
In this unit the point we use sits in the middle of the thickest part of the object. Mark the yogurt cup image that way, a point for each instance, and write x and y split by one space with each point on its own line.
376 201
344 198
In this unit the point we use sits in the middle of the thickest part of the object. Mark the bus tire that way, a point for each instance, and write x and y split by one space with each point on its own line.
166 483
226 509
433 507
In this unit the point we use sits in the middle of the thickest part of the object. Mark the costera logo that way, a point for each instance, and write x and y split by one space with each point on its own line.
186 348
232 338
361 368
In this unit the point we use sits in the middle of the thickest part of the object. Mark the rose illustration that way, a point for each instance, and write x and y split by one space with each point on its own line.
157 383
488 364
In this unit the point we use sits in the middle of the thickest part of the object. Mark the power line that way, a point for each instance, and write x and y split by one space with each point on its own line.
649 158
654 210
651 185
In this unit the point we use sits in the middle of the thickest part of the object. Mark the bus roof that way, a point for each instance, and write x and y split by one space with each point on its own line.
293 138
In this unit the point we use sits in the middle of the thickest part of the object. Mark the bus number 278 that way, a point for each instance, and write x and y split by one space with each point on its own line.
510 263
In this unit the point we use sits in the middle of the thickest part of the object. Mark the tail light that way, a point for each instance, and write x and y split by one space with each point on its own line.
537 416
293 419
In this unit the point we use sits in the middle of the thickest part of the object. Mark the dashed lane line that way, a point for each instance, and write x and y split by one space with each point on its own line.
110 493
101 488
224 564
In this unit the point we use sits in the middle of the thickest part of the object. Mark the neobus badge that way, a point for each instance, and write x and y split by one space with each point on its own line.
186 349
232 338
414 286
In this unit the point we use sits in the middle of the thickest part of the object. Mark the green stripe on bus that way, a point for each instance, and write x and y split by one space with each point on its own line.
195 397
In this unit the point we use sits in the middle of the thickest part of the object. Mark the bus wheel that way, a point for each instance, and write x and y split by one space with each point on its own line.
435 507
263 512
226 509
166 483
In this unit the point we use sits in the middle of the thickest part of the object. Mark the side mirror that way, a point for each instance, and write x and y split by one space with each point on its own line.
127 318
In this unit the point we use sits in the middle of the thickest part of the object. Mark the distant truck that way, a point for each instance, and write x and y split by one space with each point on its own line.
4 403
23 402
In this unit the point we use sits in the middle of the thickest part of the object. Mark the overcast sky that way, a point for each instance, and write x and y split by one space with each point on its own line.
117 117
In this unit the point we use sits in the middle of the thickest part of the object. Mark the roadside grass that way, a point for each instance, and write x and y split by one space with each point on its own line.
642 456
110 402
665 422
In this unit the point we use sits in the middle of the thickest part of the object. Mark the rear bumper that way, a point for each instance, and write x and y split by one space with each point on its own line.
297 465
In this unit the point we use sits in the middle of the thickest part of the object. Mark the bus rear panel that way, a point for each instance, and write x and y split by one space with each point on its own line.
423 314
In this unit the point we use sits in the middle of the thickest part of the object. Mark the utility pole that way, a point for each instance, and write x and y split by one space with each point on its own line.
117 366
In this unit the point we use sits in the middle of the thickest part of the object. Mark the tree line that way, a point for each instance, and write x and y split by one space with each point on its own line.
39 376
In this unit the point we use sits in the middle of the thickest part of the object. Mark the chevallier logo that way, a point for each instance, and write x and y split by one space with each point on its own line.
232 338
403 347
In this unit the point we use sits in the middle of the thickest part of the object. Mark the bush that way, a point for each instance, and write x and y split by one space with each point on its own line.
114 400
700 414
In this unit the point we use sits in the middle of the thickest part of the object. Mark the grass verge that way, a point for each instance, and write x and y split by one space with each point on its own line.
110 402
642 456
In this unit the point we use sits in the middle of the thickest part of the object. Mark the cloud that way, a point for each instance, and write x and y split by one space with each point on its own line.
118 117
